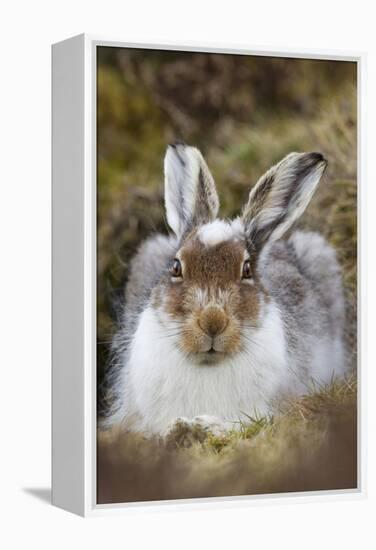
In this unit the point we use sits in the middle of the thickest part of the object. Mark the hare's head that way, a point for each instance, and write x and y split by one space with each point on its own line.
211 297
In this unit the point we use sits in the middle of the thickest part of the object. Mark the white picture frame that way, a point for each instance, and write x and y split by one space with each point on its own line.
74 277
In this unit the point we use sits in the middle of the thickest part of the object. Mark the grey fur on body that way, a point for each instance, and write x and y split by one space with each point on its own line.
301 274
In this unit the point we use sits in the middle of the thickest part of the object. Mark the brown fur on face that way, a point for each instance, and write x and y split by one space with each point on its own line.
211 300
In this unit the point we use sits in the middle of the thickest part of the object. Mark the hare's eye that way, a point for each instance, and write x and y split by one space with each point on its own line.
175 269
247 271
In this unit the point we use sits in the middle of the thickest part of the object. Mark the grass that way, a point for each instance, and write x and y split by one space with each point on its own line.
310 445
318 404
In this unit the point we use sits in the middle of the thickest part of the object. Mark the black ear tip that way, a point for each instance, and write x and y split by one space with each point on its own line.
176 143
178 150
318 157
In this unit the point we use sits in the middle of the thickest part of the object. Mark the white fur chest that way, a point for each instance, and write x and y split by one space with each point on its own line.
161 384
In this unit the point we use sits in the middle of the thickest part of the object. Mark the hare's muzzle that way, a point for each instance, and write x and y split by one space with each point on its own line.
213 321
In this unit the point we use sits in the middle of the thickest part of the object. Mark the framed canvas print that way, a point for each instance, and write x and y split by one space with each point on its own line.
206 282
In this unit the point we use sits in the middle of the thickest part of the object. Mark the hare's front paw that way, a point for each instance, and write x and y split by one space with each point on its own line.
183 432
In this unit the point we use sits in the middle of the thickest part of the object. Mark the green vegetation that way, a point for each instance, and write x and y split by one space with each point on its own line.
310 445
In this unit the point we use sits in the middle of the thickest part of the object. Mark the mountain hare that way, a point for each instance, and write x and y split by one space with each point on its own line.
223 317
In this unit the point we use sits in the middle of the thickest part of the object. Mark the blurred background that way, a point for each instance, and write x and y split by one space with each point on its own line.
244 113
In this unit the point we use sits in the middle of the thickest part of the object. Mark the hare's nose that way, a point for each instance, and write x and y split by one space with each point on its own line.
213 321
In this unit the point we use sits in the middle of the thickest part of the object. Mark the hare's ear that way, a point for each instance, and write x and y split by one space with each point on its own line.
190 195
280 197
